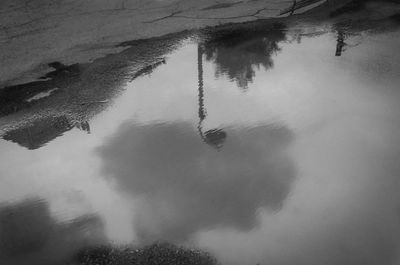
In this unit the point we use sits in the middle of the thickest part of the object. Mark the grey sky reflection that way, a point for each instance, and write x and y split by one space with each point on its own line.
186 186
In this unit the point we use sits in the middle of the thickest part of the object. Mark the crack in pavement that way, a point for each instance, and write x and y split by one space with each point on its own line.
162 18
174 15
104 11
65 14
174 12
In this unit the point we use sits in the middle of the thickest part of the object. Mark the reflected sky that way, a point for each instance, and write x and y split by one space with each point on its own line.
184 186
307 171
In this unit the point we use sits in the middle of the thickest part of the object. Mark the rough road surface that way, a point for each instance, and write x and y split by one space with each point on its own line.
35 33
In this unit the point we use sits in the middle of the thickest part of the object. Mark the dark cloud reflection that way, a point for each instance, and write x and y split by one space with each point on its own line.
186 186
30 235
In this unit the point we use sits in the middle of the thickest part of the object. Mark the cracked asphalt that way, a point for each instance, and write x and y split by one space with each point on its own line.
34 33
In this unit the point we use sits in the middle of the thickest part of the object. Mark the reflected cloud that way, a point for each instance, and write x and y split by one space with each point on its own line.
28 233
184 186
238 52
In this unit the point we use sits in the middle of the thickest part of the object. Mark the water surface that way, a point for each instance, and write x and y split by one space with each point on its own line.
275 145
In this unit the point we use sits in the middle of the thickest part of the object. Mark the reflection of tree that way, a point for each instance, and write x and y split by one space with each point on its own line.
28 234
238 52
187 187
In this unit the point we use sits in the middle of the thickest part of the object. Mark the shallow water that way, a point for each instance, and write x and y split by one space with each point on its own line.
259 147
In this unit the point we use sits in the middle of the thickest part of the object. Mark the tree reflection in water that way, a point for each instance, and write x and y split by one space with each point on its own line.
238 52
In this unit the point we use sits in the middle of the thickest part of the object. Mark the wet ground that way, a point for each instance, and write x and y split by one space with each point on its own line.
35 33
269 142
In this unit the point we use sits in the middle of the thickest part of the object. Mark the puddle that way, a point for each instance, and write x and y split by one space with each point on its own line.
261 144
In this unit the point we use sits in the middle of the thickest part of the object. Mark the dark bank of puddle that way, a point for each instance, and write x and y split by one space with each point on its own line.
261 143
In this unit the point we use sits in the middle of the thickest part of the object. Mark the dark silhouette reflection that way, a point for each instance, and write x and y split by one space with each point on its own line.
84 126
156 254
340 43
77 92
238 51
350 18
30 235
346 30
213 137
354 17
185 187
39 133
43 131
